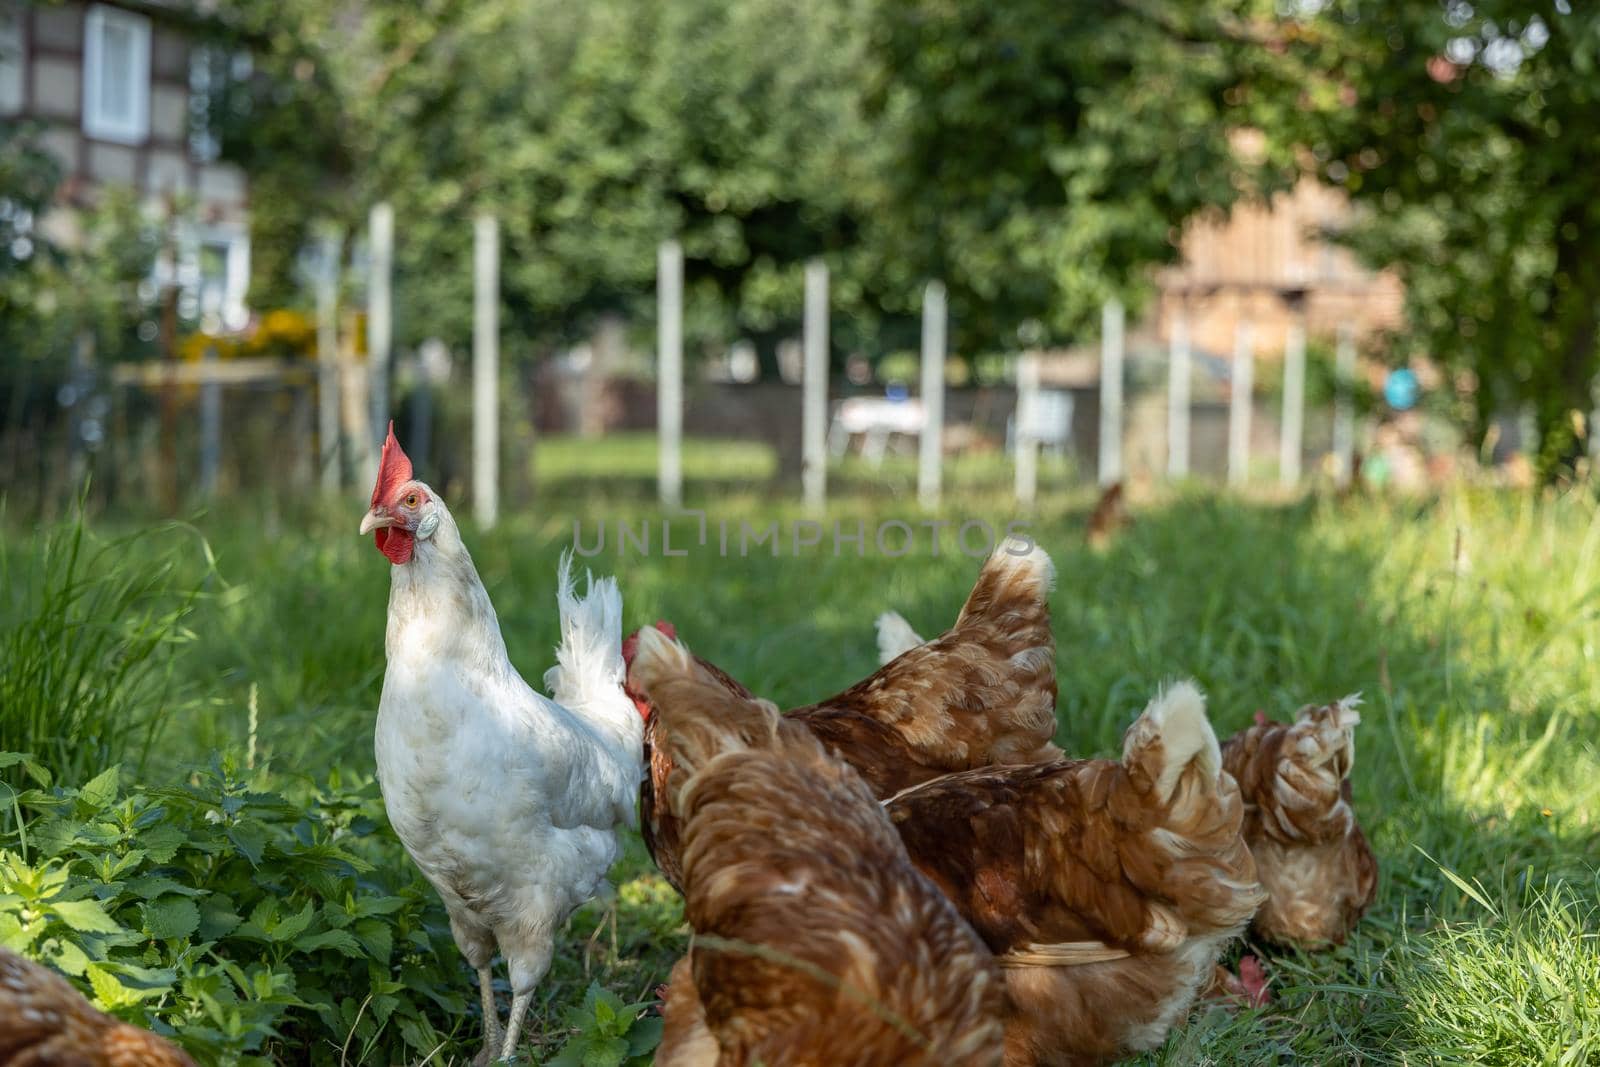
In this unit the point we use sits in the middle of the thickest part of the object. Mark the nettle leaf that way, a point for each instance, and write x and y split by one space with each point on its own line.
54 836
161 843
13 935
111 993
293 926
85 916
127 862
250 839
375 938
340 940
218 918
100 790
645 1035
379 905
151 886
606 1051
169 917
67 957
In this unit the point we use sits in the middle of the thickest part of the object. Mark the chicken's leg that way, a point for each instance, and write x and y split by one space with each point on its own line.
491 1014
519 1008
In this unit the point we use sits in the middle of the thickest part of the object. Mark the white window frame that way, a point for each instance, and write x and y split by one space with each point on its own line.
13 60
235 241
96 123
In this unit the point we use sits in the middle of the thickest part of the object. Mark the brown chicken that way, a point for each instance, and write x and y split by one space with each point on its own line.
1107 889
982 693
44 1022
815 940
1314 860
1299 821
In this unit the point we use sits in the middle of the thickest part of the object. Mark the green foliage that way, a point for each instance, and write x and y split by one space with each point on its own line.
51 292
1471 132
1049 150
609 1033
87 645
243 922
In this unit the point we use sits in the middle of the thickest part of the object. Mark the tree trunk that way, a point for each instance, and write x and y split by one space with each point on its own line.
1569 389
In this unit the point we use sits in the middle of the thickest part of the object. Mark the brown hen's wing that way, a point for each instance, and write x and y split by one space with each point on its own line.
43 1020
658 825
1314 860
1133 855
816 941
983 692
1106 889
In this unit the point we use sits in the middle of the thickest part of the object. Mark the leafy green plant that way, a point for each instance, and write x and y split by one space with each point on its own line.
609 1032
86 647
246 924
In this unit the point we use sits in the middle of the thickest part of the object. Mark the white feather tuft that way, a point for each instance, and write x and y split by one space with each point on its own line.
589 667
1024 553
895 636
1177 718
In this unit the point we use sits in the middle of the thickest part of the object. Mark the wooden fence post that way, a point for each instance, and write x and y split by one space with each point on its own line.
669 372
380 326
328 366
486 370
1179 375
1025 445
1344 415
1111 331
814 403
1294 403
210 428
1239 406
930 446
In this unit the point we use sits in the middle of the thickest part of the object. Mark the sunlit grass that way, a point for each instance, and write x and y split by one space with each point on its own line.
1468 623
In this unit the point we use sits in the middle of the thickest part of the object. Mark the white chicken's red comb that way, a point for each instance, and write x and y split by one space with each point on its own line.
394 469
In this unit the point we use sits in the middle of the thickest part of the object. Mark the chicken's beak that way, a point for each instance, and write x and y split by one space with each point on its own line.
376 519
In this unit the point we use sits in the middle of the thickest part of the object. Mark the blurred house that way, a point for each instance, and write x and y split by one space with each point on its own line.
122 92
1267 263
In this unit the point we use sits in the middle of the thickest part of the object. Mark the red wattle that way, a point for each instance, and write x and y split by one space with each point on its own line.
395 543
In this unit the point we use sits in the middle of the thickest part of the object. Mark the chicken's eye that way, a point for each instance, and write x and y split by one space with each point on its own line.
411 500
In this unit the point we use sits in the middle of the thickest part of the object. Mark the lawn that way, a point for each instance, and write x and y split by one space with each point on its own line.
1468 623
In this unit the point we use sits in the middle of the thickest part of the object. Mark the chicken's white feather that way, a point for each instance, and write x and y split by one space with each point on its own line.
895 637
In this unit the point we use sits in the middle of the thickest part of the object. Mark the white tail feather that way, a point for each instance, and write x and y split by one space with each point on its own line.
1025 553
588 673
895 636
1177 718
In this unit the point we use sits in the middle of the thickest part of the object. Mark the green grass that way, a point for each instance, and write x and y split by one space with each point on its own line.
1468 623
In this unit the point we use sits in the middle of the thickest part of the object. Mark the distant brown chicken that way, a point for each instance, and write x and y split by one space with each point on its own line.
1314 860
1110 515
815 940
44 1022
1107 889
983 693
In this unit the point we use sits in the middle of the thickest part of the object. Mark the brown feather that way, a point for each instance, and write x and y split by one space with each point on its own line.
816 941
1136 869
983 693
1315 862
44 1022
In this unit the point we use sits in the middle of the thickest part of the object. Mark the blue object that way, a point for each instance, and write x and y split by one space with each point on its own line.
897 392
1400 389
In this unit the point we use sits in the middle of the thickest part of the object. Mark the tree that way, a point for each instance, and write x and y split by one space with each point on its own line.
1471 130
1051 150
592 130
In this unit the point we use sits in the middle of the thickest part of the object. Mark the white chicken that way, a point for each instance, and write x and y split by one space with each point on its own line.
506 800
